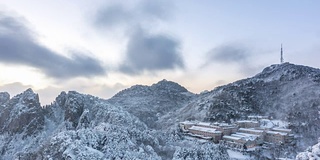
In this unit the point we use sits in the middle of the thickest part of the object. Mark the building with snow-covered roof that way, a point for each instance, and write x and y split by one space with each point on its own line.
238 141
282 130
225 128
252 131
278 137
206 132
259 139
232 142
232 138
239 137
229 130
258 117
186 125
203 124
248 124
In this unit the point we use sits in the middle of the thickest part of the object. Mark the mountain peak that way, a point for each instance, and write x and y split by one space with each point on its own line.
169 85
288 71
28 97
146 117
163 86
29 90
22 114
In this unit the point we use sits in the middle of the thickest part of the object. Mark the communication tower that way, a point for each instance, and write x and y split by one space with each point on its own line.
281 52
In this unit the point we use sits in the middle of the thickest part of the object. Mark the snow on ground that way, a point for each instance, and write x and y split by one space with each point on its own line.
312 153
238 155
266 123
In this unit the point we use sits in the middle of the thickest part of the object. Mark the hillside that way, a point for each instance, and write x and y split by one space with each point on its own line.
149 103
78 126
288 92
141 122
313 152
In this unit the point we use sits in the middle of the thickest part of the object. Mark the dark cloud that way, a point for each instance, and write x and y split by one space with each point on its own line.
229 53
156 9
114 15
151 53
18 46
145 11
233 54
144 52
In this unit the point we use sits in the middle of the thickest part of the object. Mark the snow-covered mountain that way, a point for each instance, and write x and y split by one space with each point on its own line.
285 91
21 114
150 103
141 122
78 126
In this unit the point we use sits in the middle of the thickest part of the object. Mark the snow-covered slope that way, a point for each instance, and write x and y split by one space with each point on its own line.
4 97
141 122
285 91
78 126
22 115
312 153
150 103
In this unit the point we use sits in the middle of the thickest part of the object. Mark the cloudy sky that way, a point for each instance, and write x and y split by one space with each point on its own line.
100 47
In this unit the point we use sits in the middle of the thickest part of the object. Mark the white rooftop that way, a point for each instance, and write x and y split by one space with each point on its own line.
273 132
204 123
187 122
251 130
246 137
247 121
204 129
281 129
245 134
226 125
231 137
258 117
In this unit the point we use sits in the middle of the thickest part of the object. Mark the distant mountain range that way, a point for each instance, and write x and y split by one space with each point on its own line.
141 122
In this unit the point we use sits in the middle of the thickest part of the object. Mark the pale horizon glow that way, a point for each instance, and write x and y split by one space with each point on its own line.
101 47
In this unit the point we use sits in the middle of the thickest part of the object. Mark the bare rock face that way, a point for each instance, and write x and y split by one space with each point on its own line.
21 114
71 105
74 108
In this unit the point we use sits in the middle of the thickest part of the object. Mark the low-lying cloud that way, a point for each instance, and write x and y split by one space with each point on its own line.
48 94
18 46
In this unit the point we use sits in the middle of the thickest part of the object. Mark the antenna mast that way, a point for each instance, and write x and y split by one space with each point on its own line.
281 58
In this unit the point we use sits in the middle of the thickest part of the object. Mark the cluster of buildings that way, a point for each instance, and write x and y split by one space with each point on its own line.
240 135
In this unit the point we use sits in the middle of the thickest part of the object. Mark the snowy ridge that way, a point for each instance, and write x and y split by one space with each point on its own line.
22 114
150 103
163 86
142 122
288 71
78 126
288 92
